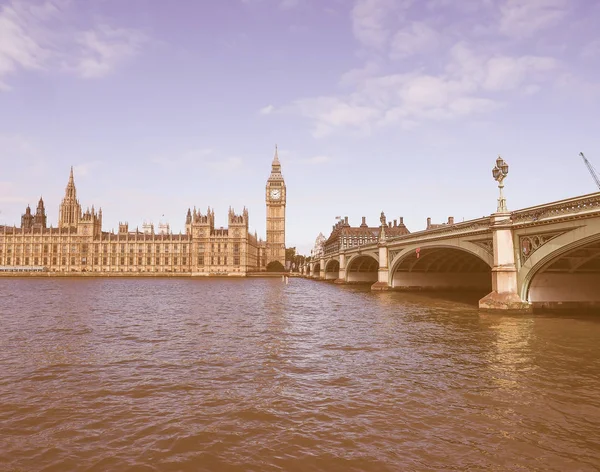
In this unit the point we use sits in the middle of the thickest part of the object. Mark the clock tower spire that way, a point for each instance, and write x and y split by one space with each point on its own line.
275 199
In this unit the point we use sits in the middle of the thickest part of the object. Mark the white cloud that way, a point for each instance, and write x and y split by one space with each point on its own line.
416 38
104 48
508 73
358 75
330 113
468 85
20 45
267 110
38 36
524 18
371 21
471 72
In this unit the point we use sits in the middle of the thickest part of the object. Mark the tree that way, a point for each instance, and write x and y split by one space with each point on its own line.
275 266
290 254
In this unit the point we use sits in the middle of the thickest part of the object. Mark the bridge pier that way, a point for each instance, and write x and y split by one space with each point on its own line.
322 269
383 276
342 273
505 293
316 270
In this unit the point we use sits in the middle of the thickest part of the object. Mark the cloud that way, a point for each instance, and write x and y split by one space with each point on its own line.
39 36
371 21
331 113
266 110
20 46
524 18
464 65
357 75
104 48
508 73
416 38
469 85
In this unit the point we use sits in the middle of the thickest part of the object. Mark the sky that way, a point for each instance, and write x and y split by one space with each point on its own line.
399 106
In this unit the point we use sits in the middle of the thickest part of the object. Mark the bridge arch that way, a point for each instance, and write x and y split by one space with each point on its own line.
565 271
332 268
451 265
362 267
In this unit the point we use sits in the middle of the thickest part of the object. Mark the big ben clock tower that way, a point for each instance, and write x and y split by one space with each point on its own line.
275 197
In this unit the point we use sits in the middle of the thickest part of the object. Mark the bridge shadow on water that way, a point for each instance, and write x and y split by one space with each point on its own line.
469 299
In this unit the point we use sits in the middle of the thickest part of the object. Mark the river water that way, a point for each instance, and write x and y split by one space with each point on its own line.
256 375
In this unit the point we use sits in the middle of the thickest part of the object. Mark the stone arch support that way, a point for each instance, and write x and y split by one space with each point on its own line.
362 276
332 268
397 256
352 257
589 232
331 259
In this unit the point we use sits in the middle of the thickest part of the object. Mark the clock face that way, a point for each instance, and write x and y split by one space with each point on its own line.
275 194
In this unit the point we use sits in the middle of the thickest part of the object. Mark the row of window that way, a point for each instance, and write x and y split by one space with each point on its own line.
346 242
84 248
121 260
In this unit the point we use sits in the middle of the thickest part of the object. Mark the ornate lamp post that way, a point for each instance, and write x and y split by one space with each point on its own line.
500 171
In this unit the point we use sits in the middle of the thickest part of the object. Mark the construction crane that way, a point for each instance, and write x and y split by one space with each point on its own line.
591 169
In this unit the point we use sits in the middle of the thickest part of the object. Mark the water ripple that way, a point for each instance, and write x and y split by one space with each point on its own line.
255 375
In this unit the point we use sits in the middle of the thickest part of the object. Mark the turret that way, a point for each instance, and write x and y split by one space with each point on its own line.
40 215
27 219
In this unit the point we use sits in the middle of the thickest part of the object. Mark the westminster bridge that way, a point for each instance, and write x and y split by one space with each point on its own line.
543 256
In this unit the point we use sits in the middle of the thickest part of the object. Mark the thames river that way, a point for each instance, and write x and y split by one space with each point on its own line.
256 375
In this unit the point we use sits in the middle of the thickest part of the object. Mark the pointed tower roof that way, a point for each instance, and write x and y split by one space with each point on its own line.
70 191
276 167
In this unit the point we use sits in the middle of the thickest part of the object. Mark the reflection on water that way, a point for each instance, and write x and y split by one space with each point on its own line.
257 375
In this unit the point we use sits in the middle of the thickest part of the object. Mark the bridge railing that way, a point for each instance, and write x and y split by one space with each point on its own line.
482 223
469 225
584 203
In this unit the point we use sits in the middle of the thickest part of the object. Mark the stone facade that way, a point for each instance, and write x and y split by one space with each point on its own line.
319 248
343 236
78 245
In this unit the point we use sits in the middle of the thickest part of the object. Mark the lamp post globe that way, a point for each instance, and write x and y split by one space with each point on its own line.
499 172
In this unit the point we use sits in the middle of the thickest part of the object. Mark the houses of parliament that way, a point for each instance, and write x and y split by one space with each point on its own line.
79 245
